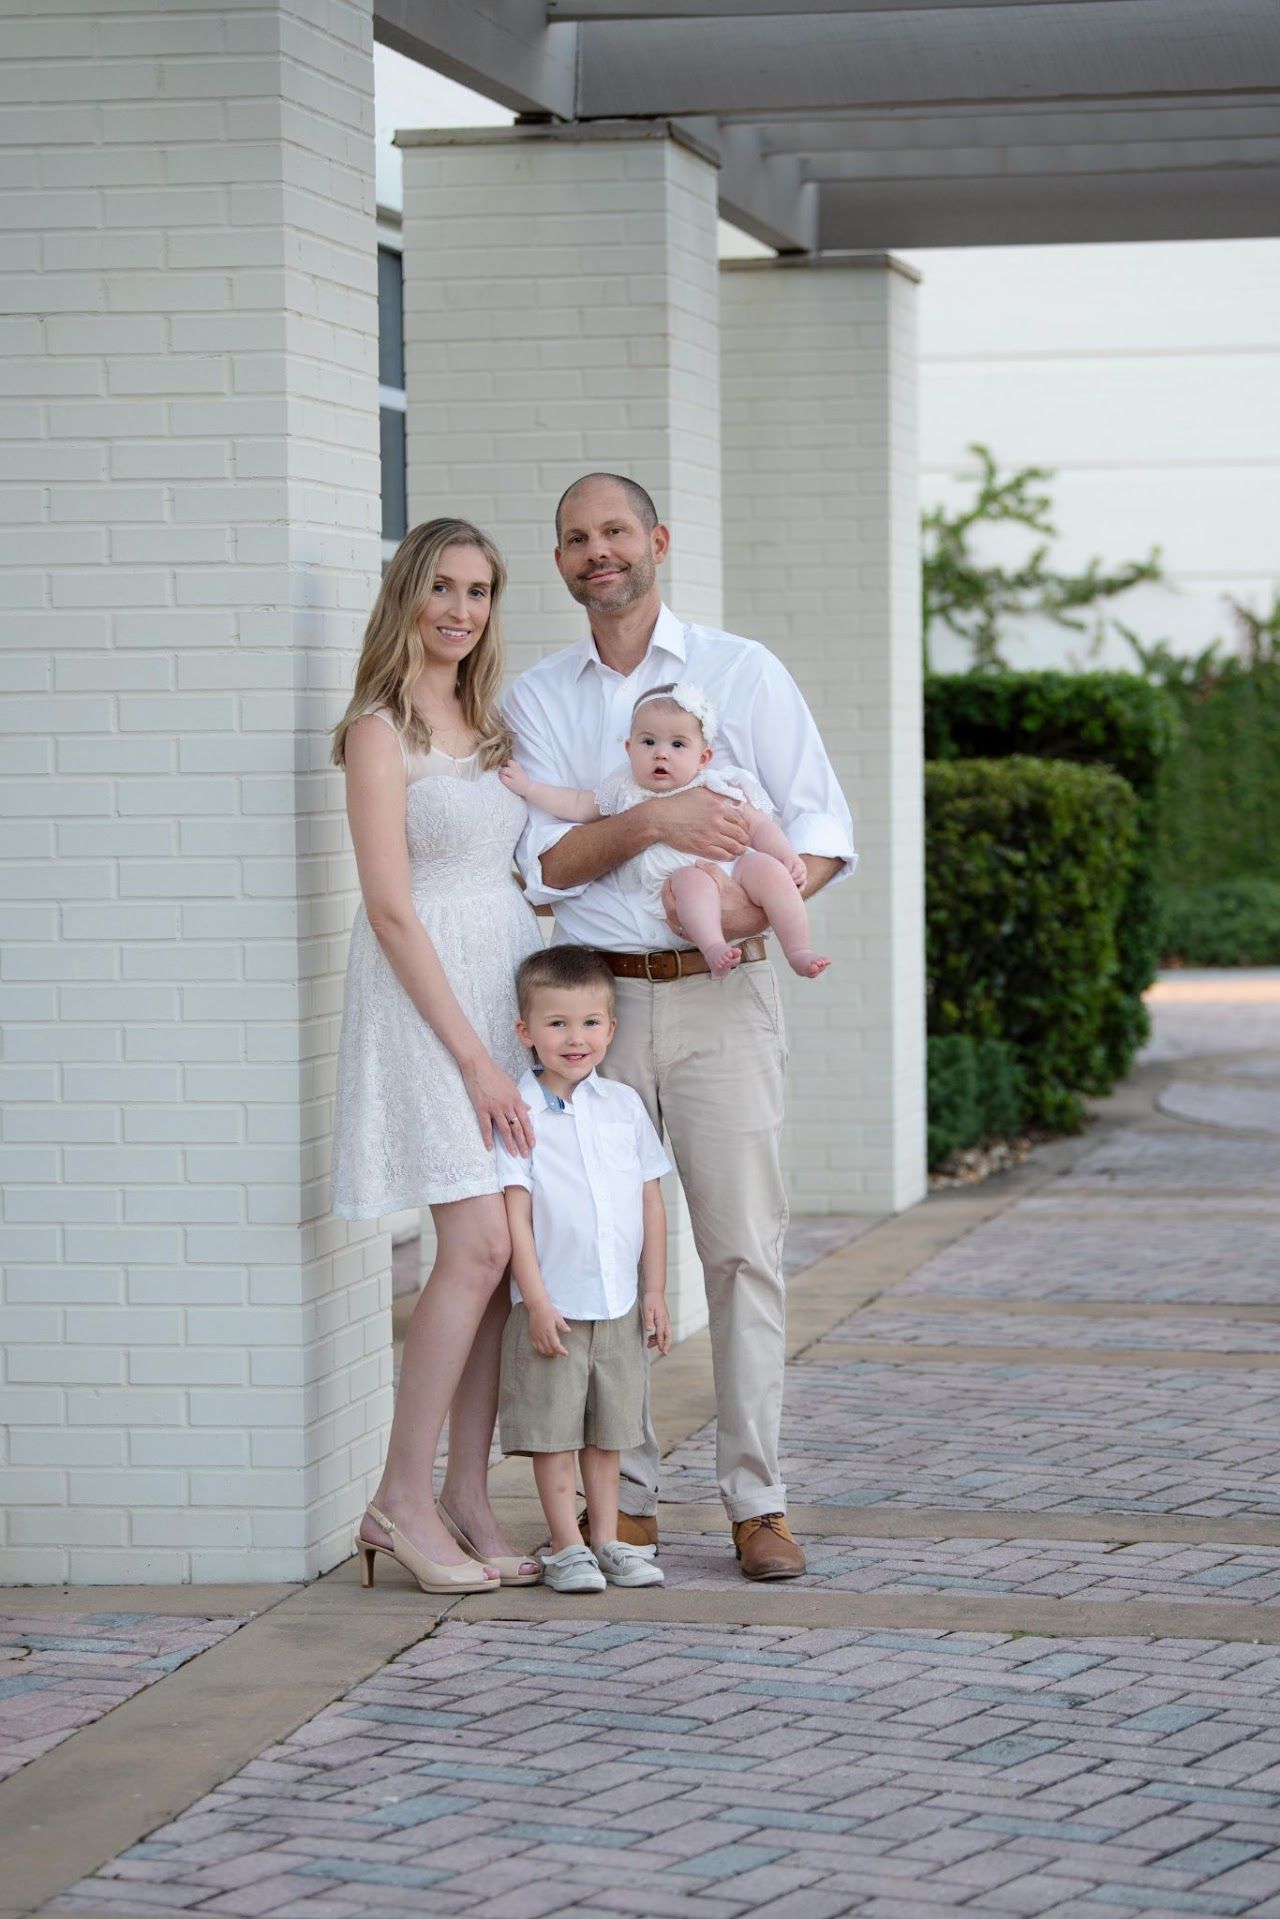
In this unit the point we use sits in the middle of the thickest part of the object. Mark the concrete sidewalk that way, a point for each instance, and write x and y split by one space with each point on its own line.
1033 1444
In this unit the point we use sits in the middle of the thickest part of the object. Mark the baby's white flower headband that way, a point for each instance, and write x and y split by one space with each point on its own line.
691 698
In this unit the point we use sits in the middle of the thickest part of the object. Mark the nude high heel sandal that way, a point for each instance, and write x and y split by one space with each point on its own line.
430 1575
506 1565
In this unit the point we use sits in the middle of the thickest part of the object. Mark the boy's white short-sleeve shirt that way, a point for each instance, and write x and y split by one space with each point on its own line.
587 1173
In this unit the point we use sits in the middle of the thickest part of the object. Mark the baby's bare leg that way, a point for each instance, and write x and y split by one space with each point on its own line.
767 883
697 899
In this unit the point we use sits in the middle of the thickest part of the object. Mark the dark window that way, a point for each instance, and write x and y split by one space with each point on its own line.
395 522
390 318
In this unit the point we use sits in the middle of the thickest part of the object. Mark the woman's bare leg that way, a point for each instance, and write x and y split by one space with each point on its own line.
472 1416
767 883
473 1248
697 899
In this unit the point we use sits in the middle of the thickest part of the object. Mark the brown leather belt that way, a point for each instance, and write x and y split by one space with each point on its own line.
671 964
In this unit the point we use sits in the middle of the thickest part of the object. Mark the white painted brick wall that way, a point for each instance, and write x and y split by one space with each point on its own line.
821 563
561 314
197 1373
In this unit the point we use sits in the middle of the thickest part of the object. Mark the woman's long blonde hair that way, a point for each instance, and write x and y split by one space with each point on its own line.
393 654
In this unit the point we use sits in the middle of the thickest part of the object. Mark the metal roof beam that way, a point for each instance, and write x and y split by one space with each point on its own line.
502 48
767 195
761 9
1218 203
812 64
888 132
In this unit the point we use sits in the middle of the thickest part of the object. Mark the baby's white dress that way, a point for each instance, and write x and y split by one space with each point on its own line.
649 871
404 1132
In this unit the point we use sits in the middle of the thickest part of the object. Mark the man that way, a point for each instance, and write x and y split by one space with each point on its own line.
707 1056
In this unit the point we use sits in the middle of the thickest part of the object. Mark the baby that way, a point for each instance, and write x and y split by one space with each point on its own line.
669 751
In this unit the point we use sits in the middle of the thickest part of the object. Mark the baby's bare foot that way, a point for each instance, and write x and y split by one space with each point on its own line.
808 965
722 959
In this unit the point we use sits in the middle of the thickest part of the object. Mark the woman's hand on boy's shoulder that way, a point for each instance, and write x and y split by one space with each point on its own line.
657 1321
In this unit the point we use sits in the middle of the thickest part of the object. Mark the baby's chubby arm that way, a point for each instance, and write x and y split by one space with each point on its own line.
562 802
545 1323
653 1269
768 837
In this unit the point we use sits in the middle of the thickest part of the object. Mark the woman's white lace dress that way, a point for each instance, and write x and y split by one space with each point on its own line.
405 1133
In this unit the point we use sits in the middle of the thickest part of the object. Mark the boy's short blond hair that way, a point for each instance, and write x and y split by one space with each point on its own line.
569 967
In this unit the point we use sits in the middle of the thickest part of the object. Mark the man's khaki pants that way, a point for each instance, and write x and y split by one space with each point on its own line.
708 1058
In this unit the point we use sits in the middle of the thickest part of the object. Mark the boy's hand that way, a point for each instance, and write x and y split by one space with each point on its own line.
545 1328
798 871
657 1322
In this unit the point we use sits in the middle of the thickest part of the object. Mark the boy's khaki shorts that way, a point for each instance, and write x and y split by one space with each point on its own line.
592 1396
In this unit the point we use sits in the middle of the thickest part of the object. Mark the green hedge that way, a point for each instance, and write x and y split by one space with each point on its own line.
1029 864
1219 795
1229 923
975 1092
1116 720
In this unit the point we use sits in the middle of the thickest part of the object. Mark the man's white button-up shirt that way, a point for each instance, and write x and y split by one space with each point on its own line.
571 713
590 1160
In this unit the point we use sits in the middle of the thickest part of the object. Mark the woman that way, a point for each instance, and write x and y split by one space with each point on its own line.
428 1058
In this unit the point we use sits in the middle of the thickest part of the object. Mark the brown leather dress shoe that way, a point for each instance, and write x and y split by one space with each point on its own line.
766 1549
633 1530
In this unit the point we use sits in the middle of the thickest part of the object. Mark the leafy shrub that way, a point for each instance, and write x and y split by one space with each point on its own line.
976 598
1028 865
1117 720
1001 1098
1218 799
1229 923
974 1093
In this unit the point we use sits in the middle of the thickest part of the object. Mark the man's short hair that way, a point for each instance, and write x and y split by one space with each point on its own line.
641 503
563 966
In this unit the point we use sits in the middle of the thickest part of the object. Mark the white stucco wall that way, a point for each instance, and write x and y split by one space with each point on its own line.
1149 377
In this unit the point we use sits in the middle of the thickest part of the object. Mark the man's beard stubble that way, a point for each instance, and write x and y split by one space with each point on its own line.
627 591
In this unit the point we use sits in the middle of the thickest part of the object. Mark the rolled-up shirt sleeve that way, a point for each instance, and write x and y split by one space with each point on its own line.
795 771
538 754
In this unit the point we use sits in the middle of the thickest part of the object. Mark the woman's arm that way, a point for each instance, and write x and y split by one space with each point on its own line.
562 802
375 808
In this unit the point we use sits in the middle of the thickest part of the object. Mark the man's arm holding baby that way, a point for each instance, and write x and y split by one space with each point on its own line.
653 1269
545 1323
697 821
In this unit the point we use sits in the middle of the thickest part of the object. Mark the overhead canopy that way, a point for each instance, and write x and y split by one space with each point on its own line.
848 124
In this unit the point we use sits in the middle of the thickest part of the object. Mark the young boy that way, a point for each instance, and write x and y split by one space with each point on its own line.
585 1211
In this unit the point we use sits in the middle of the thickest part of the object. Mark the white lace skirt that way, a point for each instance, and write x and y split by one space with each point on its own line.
404 1132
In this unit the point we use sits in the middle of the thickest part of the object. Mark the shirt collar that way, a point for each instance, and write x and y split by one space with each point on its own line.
532 1087
667 637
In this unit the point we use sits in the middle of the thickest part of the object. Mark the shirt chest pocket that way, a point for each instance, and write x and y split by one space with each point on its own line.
617 1144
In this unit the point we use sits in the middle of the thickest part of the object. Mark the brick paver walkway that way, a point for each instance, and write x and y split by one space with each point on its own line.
58 1674
1058 1415
502 1770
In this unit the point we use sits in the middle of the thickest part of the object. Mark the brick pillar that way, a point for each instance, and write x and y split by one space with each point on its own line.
198 1371
822 564
560 314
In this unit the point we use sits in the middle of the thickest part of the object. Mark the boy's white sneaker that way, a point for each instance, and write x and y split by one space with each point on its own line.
628 1565
574 1570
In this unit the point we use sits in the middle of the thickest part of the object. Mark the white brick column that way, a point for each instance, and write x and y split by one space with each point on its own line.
561 314
197 1370
822 564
